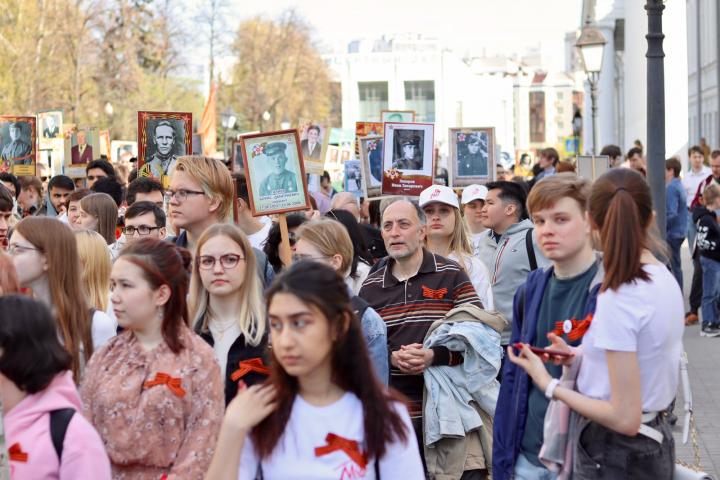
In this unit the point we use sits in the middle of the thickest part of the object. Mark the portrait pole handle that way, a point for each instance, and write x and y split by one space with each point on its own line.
285 252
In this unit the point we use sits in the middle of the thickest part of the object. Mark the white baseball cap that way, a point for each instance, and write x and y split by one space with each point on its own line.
439 194
474 192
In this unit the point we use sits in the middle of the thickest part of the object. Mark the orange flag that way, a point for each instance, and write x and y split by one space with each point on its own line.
208 124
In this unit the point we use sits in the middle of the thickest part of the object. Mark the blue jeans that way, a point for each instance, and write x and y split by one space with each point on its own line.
710 283
526 470
675 260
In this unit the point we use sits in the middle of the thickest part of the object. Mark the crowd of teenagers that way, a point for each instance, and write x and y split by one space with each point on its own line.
510 330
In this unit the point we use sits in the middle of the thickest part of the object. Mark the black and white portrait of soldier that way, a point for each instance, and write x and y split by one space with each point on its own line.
166 139
280 179
472 151
408 149
16 144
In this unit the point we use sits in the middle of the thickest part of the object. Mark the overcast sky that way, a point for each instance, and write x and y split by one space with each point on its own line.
498 26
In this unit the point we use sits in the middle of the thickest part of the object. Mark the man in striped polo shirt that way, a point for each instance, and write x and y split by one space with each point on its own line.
410 291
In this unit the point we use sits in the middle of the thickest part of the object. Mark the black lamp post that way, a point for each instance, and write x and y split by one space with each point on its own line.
591 45
656 110
228 120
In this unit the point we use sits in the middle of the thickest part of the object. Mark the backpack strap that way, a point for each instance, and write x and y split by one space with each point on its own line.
530 250
59 421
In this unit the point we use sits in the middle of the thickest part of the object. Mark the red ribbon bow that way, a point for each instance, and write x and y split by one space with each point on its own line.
247 366
17 454
350 447
578 330
174 384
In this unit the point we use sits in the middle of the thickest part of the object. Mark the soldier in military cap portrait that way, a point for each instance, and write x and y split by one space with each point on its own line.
408 151
162 162
280 180
17 151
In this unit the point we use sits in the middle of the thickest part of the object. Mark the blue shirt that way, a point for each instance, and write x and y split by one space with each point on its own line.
676 209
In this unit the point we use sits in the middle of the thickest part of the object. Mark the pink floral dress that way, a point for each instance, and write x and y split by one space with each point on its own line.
158 413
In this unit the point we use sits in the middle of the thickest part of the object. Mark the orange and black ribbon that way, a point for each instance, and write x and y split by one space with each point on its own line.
578 330
350 447
247 366
174 384
16 454
434 294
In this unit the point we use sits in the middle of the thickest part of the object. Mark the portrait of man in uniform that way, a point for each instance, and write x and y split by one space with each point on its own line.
408 150
162 138
163 158
17 148
280 180
82 152
472 154
51 130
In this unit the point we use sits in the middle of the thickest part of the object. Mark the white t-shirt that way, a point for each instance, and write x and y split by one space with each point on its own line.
223 338
257 239
642 317
691 180
475 240
479 277
103 328
308 428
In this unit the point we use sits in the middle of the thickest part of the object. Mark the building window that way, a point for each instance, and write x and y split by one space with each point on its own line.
373 100
335 103
420 96
537 117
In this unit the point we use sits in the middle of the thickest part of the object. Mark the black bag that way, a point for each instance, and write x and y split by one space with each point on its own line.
59 421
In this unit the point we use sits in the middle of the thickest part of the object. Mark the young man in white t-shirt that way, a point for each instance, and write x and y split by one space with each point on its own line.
473 201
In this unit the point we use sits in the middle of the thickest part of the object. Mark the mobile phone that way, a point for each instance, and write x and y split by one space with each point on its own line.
544 351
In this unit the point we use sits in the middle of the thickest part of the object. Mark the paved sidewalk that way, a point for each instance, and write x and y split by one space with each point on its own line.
704 370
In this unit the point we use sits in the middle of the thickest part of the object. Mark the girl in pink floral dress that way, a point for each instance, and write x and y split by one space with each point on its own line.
154 393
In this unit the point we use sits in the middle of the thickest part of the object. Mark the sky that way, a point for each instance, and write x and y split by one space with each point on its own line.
496 26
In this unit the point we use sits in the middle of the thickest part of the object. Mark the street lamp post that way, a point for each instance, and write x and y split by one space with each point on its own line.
656 110
228 119
592 46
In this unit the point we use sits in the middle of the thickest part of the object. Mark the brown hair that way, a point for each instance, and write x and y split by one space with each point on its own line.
551 189
621 209
103 207
79 194
164 263
56 241
329 237
711 193
214 179
565 166
674 165
551 154
31 182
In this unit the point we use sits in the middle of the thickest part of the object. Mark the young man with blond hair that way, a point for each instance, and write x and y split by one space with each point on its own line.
555 299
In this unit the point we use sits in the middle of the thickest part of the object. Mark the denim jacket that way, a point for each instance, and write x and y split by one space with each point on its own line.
375 333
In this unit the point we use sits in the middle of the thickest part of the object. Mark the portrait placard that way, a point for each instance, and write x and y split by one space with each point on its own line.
275 172
18 145
591 167
238 161
371 162
162 137
50 129
123 150
366 129
353 181
313 145
472 156
408 163
395 116
82 146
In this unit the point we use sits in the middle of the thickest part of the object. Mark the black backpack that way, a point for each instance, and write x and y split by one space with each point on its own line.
59 421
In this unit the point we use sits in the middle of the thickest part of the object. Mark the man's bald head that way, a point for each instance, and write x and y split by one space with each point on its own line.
346 201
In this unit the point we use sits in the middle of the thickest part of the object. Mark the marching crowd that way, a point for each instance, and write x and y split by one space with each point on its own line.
511 330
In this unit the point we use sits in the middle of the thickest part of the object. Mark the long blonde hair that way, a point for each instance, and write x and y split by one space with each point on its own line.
459 241
330 237
55 240
251 316
96 267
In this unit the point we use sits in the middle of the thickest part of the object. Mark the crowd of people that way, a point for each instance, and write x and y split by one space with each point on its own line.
512 330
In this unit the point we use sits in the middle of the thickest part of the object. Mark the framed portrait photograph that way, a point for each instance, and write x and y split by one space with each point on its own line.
371 163
353 181
162 137
123 150
313 145
275 172
50 128
366 129
81 147
472 156
18 144
408 158
591 167
405 116
238 160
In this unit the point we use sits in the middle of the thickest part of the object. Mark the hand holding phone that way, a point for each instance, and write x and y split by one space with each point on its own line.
545 351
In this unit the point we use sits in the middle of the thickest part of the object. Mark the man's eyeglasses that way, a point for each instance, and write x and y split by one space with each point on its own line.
227 261
141 230
19 248
181 195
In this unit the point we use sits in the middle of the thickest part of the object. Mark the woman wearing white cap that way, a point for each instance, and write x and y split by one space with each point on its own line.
447 236
473 201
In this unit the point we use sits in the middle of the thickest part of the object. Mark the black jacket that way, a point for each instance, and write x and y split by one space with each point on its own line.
707 241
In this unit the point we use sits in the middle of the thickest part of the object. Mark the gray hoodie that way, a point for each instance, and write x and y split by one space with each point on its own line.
509 266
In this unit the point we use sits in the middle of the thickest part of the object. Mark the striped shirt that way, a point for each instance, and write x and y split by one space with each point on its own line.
410 307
